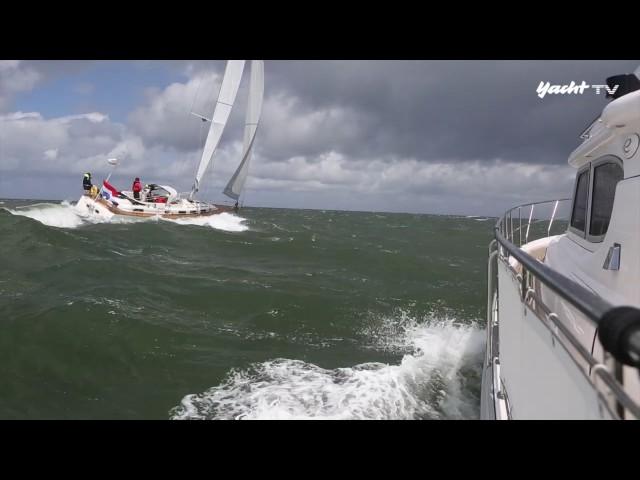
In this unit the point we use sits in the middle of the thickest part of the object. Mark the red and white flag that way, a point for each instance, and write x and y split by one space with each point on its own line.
109 190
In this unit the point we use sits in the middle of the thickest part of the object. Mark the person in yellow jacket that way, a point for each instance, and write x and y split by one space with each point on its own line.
86 183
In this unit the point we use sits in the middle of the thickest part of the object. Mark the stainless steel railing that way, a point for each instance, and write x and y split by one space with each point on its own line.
534 214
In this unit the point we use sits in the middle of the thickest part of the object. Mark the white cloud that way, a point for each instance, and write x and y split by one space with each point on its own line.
51 154
165 119
77 143
410 185
15 77
289 128
68 144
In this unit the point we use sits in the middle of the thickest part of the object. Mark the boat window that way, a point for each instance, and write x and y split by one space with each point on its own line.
579 214
605 179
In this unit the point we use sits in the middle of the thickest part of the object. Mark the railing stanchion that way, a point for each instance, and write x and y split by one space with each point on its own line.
511 226
555 207
520 225
526 238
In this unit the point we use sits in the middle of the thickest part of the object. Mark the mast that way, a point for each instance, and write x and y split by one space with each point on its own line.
254 110
226 98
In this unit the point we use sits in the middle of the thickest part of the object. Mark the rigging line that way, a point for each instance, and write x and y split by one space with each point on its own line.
201 141
196 95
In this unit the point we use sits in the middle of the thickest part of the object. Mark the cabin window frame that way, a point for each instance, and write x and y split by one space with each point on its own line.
576 231
590 168
595 164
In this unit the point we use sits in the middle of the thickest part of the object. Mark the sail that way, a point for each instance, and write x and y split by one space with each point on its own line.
228 92
254 109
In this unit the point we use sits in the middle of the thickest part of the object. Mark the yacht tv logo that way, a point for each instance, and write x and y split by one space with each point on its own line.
572 89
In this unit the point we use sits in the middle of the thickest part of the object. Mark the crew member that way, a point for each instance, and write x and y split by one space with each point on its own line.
137 186
86 183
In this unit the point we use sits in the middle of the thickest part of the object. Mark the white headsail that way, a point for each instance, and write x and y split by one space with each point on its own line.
254 110
226 98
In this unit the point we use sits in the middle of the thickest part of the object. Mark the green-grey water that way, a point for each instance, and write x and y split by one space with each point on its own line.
272 313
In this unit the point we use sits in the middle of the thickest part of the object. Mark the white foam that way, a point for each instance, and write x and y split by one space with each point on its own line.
431 381
222 221
62 215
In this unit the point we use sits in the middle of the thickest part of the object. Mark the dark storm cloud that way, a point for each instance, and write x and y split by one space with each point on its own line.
450 110
427 110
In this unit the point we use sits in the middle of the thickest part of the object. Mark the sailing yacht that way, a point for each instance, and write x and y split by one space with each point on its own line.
563 318
164 200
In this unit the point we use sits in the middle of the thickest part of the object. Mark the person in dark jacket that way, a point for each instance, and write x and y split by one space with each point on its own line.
86 183
137 187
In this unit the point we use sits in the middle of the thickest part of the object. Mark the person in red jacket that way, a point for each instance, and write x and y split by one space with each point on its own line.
137 187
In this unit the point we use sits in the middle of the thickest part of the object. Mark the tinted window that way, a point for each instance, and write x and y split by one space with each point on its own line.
579 214
605 179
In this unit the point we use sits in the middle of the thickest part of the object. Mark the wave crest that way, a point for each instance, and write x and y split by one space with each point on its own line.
437 379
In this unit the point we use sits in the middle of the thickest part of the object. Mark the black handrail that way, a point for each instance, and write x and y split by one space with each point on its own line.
621 325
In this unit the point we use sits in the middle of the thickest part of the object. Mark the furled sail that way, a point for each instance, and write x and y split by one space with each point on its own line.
226 98
254 110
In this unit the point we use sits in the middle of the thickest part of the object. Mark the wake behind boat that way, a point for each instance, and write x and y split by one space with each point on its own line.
164 200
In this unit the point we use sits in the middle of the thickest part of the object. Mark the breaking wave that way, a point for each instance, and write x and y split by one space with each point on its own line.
61 215
437 378
223 221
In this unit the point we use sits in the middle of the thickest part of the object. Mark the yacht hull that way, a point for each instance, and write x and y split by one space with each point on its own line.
104 209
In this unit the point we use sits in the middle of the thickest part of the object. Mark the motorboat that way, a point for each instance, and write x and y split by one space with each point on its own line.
563 317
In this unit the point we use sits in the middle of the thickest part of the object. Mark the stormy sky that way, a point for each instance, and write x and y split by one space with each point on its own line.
457 137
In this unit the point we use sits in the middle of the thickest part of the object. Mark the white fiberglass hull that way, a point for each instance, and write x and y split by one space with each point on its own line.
107 209
528 372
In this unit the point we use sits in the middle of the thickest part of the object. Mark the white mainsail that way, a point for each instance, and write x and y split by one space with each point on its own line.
254 110
226 98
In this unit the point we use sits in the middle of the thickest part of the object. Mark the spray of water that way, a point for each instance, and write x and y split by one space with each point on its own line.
223 221
436 378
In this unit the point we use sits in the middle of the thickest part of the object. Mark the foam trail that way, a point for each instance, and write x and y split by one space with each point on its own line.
62 215
222 221
433 381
